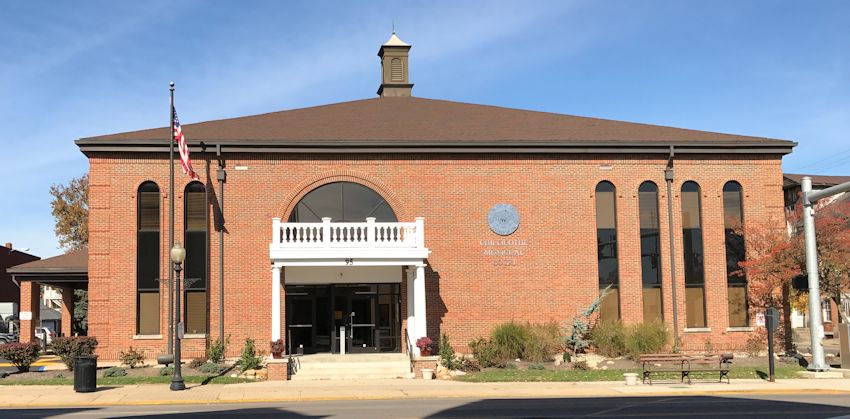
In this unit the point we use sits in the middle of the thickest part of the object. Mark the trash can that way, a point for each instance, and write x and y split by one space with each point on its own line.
85 374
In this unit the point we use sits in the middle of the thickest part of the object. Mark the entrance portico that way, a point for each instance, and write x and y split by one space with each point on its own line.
349 261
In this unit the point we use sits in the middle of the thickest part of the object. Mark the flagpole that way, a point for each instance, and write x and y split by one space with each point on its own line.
171 221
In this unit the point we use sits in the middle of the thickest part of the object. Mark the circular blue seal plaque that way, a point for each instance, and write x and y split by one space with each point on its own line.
503 219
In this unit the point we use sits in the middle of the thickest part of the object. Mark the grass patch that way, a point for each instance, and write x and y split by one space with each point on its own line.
122 381
505 375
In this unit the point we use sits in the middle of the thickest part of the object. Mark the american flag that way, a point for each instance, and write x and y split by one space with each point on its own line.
185 162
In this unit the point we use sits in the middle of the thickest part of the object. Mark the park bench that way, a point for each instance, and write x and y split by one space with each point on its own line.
685 365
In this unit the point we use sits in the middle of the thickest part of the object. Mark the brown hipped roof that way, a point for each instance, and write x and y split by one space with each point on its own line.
391 121
73 262
792 179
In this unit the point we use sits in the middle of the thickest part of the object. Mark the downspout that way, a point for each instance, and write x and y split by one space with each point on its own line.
221 175
668 176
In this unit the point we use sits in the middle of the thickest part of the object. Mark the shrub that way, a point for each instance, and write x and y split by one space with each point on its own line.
249 360
469 365
510 366
217 349
165 372
486 354
114 372
211 368
196 363
447 354
69 348
510 339
609 338
581 365
21 355
756 344
544 341
536 367
132 357
646 338
576 341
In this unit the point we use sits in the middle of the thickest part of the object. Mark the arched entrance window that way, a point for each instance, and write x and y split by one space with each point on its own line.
343 202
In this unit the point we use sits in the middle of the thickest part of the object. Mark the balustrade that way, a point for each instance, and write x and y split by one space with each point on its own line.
369 234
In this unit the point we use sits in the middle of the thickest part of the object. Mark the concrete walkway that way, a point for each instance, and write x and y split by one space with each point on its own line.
287 391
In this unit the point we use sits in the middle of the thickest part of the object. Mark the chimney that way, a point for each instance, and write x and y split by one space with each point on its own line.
8 245
395 81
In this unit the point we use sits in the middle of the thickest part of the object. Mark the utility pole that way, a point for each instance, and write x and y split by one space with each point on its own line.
810 198
668 177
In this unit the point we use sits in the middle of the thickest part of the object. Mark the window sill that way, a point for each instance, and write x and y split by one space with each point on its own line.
740 329
697 329
195 336
147 337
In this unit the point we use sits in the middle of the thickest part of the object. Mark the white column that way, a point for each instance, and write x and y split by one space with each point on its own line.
419 302
411 322
276 302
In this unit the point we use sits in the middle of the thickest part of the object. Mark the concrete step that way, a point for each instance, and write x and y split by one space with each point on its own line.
351 366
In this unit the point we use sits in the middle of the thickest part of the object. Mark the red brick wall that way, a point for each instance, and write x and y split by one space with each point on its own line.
555 276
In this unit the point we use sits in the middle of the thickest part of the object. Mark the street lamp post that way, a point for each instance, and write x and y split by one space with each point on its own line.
178 254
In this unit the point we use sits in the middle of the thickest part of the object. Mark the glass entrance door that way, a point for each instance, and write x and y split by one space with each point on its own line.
369 313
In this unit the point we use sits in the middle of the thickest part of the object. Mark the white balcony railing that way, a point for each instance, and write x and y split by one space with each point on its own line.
366 235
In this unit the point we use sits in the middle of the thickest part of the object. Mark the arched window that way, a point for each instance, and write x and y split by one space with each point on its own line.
343 202
736 279
694 255
147 259
650 252
606 249
195 238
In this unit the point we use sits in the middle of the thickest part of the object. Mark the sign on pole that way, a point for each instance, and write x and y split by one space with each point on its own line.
760 319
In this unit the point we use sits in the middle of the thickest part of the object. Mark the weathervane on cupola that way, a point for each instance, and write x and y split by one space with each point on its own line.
395 81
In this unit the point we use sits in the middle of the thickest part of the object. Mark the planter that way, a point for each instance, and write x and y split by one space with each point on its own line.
425 352
427 374
631 378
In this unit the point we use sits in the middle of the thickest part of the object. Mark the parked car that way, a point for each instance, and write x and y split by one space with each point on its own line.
44 334
8 338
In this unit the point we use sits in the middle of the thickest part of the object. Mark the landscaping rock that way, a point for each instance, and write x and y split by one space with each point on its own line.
558 361
442 373
592 360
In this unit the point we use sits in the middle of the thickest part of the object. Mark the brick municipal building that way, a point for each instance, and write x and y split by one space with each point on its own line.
362 226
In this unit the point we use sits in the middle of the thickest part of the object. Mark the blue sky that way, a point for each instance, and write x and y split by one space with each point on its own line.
74 69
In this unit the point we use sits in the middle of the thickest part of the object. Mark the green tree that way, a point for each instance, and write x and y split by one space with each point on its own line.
70 208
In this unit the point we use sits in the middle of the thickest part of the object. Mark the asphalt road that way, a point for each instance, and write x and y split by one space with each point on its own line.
727 407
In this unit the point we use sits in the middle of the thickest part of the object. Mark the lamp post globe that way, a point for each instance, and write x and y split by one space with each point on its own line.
178 255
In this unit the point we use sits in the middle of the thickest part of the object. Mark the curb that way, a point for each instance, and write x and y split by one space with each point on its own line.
414 397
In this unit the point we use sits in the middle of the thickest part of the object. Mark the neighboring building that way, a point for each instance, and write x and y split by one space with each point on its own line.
10 291
793 192
399 217
47 292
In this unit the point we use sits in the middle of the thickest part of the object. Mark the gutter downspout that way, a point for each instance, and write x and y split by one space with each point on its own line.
668 176
221 175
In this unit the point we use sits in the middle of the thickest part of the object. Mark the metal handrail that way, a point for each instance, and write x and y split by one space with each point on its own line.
409 350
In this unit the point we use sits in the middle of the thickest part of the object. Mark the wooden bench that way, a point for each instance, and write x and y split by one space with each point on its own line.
685 365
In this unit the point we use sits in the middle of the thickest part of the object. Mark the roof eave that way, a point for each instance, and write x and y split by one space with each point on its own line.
89 145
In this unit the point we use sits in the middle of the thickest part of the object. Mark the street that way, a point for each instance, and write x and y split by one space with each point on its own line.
729 407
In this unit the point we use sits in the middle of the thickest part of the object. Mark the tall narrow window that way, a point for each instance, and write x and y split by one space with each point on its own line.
693 250
147 260
195 236
736 280
606 249
650 252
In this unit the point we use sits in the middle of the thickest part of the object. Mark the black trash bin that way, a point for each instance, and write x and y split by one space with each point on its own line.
85 374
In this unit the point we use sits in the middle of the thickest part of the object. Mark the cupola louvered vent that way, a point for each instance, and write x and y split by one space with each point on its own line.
396 70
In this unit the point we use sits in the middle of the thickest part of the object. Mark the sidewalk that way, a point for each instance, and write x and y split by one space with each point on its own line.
287 391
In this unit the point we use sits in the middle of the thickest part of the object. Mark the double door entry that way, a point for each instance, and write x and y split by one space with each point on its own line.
337 317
